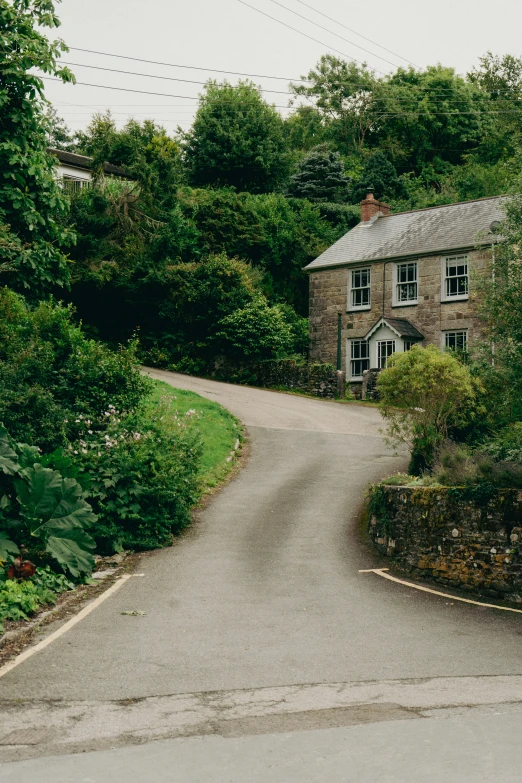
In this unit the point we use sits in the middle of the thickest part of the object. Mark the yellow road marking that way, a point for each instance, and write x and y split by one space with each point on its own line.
66 626
382 572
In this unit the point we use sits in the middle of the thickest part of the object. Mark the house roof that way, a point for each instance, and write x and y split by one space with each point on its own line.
401 326
420 232
84 162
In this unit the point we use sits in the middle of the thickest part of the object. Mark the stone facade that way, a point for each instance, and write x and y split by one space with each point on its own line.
329 296
442 534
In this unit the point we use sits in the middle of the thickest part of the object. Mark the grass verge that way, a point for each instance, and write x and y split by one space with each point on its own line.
219 429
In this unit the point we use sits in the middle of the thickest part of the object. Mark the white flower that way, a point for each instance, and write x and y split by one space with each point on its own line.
75 451
77 421
90 432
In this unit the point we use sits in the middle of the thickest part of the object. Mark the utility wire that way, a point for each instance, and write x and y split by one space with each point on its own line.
240 73
311 38
321 27
351 30
190 81
378 114
141 92
190 67
154 76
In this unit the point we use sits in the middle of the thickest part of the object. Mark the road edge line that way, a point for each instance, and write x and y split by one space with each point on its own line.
10 665
381 572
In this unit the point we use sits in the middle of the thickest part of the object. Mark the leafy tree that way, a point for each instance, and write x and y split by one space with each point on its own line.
379 174
500 355
320 177
144 150
424 393
32 206
237 140
59 137
343 96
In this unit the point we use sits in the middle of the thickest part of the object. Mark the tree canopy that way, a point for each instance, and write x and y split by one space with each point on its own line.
32 206
236 140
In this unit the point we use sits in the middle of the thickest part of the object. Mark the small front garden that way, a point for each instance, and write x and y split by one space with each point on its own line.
95 458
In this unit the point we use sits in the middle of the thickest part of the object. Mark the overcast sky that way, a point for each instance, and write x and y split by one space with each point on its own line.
227 35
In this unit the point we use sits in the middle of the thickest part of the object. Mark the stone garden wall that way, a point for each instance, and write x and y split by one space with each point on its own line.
463 538
321 380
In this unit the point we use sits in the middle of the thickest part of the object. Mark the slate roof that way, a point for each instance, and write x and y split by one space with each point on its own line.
85 163
400 325
420 232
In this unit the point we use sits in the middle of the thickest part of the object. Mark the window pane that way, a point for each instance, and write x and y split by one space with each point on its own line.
406 282
457 341
360 351
385 349
360 296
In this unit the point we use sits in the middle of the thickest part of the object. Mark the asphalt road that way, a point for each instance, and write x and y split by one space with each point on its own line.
264 593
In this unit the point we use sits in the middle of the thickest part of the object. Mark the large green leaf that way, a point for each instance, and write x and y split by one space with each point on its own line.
52 501
7 547
8 457
72 550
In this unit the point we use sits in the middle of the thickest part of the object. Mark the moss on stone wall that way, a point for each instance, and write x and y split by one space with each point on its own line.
450 536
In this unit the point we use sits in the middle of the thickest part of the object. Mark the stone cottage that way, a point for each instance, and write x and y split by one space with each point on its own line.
400 279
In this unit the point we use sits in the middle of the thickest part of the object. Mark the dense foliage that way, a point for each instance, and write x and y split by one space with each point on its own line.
103 470
236 140
424 394
32 234
50 374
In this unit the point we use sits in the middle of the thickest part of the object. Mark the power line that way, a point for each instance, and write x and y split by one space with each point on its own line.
190 67
141 92
240 73
311 38
352 43
154 76
378 114
190 81
351 30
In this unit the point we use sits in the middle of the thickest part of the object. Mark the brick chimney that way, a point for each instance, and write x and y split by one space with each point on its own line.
370 207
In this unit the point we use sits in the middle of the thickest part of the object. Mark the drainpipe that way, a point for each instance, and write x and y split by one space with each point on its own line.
339 341
383 288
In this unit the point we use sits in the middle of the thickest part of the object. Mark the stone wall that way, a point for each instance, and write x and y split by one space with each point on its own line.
456 537
321 380
329 296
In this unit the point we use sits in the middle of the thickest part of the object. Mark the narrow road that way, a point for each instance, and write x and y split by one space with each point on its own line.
262 606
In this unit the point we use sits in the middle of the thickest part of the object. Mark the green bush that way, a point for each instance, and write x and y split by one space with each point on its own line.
255 332
424 393
458 465
143 475
507 444
21 599
50 373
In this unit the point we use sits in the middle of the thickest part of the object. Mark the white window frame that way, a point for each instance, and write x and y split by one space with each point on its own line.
396 283
350 358
351 289
444 296
444 339
378 344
